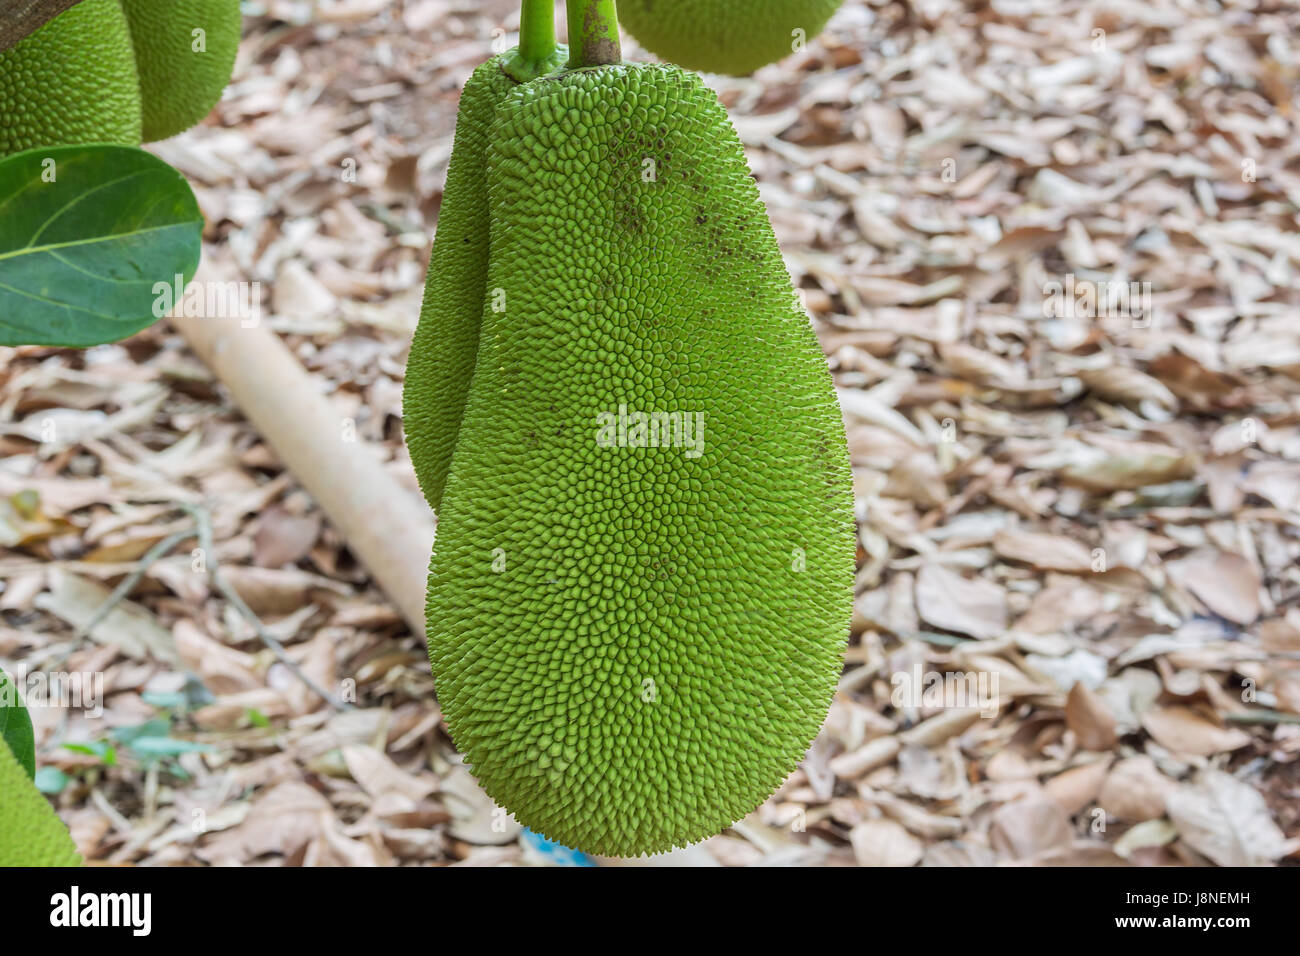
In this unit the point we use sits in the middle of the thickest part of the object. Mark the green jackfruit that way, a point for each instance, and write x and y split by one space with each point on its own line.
640 591
185 52
445 344
446 340
72 81
31 833
724 36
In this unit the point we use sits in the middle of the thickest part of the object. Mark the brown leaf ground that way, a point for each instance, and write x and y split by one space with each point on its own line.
1087 514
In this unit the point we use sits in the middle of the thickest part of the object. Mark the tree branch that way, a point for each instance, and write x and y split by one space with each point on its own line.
593 33
387 527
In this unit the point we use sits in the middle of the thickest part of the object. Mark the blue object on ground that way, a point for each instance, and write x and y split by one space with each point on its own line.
556 853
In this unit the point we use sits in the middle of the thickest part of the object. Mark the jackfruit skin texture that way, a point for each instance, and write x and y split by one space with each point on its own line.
445 344
31 833
632 647
179 86
71 81
723 36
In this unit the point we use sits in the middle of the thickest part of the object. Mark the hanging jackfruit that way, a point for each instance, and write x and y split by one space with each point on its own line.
31 833
724 36
99 74
71 81
640 591
185 51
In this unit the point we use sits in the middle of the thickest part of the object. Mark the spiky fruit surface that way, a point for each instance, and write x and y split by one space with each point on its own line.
185 51
443 350
31 833
634 645
724 36
71 81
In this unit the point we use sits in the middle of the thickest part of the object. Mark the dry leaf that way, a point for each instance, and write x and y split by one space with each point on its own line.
849 766
128 626
1149 833
1135 790
946 599
1227 583
1124 384
275 590
223 670
1277 482
885 842
282 820
378 775
1107 463
1184 731
284 538
1051 552
1225 820
1077 787
1028 827
1281 633
475 818
1091 720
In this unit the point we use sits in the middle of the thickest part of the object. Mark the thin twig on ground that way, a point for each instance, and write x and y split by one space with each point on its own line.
204 528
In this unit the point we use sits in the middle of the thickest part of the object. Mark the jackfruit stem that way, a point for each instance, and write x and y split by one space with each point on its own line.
537 31
593 33
537 54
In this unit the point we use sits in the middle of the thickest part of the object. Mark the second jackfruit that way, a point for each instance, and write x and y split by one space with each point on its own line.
445 345
31 833
184 52
72 81
99 74
724 36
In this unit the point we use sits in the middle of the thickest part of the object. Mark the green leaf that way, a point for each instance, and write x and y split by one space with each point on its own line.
154 727
51 780
85 258
16 725
166 746
165 700
100 749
